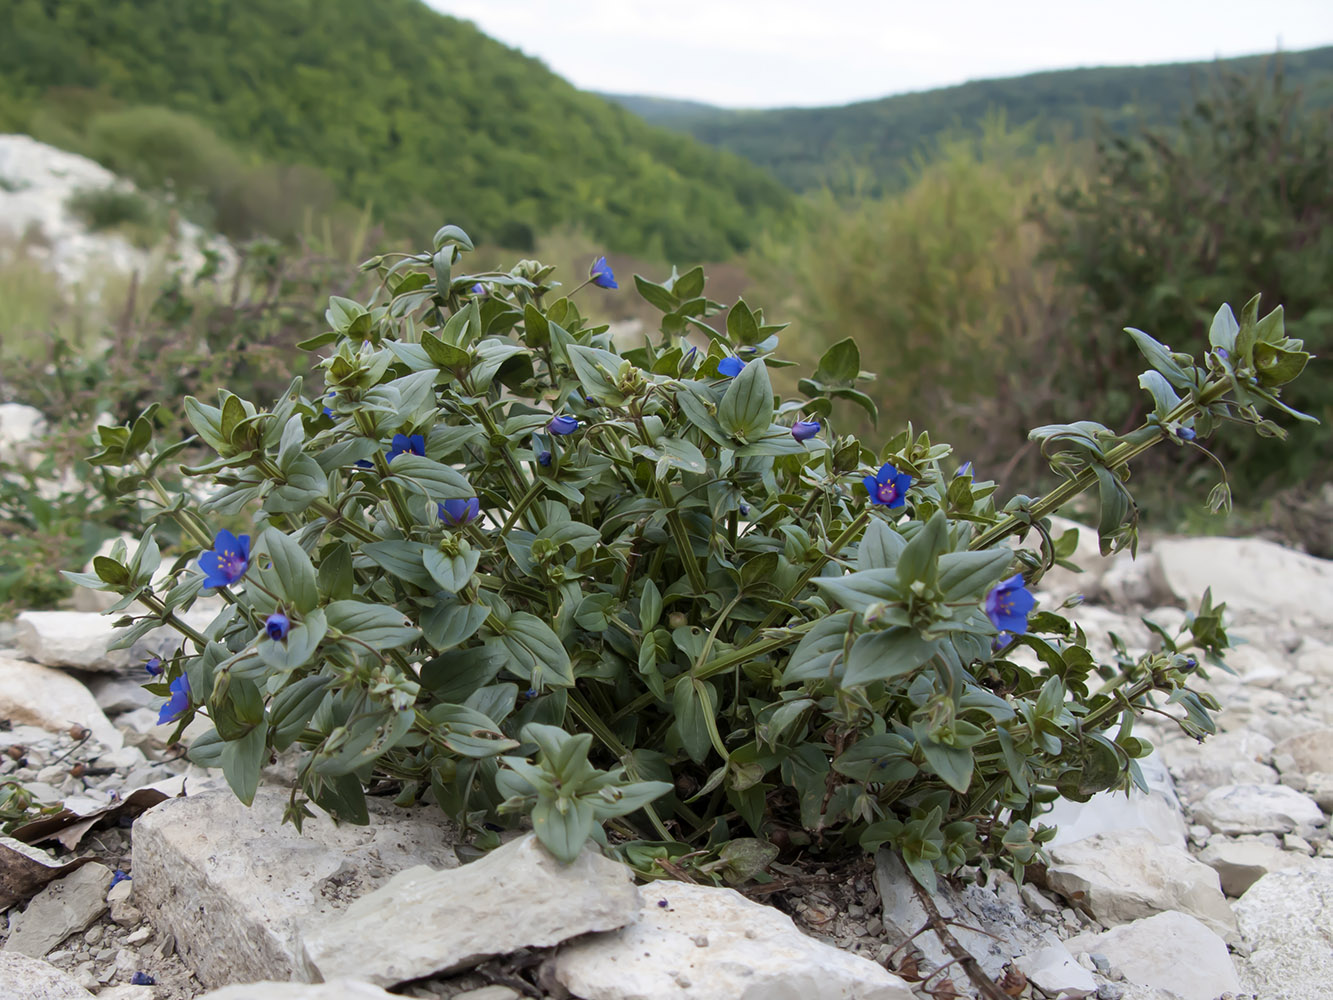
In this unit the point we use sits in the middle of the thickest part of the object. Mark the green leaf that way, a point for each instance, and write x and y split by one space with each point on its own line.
691 723
883 758
563 828
650 606
596 370
818 655
336 579
293 707
535 652
1160 358
746 409
1276 366
919 560
452 572
242 761
880 546
378 625
451 623
967 574
742 327
405 560
436 480
879 656
292 568
1224 328
857 591
840 365
207 423
953 764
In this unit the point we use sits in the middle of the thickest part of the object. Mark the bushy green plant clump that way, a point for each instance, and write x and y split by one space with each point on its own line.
499 563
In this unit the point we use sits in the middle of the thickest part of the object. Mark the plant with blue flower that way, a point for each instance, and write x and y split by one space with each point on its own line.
719 616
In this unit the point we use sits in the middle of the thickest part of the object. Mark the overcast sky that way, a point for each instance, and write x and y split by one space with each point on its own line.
769 53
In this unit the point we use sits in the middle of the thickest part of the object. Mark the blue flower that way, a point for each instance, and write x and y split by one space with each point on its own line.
117 877
563 425
277 625
154 666
601 275
687 361
407 444
330 395
478 289
804 430
460 512
178 703
228 560
1009 604
730 367
362 463
888 487
963 470
1186 433
142 979
543 457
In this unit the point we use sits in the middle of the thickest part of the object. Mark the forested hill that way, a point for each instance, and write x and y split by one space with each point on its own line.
871 142
398 105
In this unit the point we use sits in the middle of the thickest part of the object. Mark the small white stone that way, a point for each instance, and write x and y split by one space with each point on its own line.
1169 951
1241 809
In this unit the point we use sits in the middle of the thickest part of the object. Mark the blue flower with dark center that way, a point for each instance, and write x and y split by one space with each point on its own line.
460 512
888 487
154 666
730 367
804 430
601 274
178 703
228 560
543 457
407 444
563 425
1009 604
277 625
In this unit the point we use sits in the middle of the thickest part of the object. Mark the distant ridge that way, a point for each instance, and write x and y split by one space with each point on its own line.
838 146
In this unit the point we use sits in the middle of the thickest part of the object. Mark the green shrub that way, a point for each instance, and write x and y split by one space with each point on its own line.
1165 220
494 563
119 209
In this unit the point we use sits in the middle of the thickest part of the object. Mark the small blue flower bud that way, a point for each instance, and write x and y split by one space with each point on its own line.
804 430
277 625
154 666
601 274
563 425
543 458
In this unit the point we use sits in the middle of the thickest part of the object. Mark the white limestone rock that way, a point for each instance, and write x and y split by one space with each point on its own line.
1240 863
1168 951
80 639
1275 583
66 906
26 978
48 699
338 989
1311 753
1286 920
709 944
237 886
1241 809
422 922
1011 931
1239 757
1158 811
1122 876
1054 971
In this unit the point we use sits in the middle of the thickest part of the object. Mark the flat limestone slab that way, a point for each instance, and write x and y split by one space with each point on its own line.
339 989
237 886
1171 951
423 922
714 944
25 978
38 696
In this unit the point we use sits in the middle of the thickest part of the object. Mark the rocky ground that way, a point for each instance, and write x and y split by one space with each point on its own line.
1219 883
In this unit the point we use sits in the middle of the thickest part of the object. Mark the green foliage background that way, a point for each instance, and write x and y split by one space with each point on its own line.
390 103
